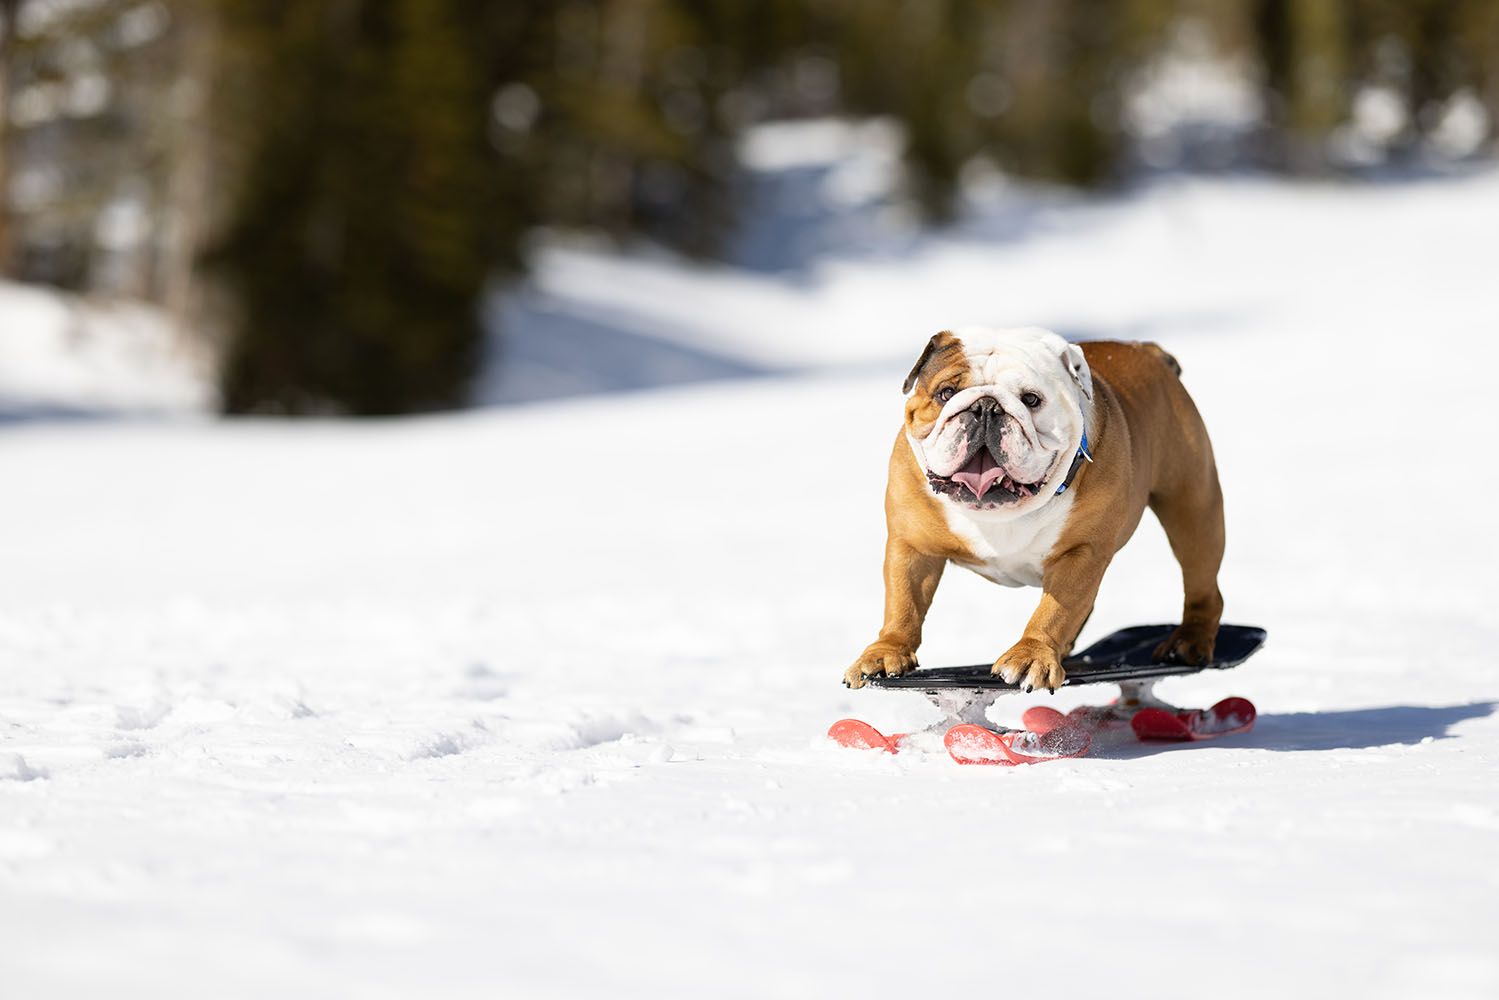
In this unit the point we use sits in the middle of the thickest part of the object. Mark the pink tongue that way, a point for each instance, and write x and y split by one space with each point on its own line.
980 473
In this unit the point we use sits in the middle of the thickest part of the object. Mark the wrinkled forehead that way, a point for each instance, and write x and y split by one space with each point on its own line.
996 356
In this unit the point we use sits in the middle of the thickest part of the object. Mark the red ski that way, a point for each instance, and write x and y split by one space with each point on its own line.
1231 715
1151 722
857 735
972 744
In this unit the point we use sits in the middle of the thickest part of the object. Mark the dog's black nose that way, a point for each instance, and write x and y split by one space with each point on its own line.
986 404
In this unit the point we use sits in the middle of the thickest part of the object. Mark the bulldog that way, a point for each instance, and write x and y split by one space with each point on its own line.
1030 460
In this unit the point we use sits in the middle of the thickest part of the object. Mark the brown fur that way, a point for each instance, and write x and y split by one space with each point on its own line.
1150 449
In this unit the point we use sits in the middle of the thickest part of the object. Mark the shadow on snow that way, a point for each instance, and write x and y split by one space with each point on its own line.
552 349
1350 729
1364 728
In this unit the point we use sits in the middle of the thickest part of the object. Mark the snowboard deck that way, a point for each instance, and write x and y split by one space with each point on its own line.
1125 655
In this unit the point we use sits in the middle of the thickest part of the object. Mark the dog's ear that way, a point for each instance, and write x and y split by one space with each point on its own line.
1077 366
926 355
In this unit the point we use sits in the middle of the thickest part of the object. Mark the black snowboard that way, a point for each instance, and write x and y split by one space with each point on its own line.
1123 656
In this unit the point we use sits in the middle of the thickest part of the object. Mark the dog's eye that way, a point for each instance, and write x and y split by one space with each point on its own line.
945 393
1030 399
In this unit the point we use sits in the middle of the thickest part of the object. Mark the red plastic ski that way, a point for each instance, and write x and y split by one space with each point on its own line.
858 735
971 744
1040 719
1231 715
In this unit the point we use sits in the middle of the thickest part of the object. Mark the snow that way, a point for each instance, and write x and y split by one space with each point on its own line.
400 708
67 357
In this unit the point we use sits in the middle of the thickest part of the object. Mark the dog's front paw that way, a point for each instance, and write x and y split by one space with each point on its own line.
1031 664
1190 644
879 658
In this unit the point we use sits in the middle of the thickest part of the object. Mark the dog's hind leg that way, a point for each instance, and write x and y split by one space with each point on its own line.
1193 518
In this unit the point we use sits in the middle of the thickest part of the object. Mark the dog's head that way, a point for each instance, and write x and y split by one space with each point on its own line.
996 416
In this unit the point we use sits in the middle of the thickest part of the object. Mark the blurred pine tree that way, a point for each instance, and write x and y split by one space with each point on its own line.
379 161
8 11
359 243
88 108
1313 77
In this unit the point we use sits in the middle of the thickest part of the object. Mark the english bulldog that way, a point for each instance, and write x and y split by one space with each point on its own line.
1030 460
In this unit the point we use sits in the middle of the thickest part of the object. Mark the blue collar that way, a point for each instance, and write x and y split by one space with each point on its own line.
1077 463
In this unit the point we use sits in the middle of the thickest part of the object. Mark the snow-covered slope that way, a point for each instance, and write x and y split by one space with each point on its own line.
64 357
529 703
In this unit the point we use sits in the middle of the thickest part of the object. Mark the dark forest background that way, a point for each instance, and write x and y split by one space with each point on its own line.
329 188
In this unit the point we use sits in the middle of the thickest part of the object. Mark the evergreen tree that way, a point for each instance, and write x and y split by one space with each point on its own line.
372 164
359 244
1312 78
9 10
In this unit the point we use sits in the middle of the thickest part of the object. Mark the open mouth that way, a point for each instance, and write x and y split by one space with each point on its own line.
982 482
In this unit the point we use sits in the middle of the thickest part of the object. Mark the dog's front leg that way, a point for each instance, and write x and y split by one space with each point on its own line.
1069 585
911 578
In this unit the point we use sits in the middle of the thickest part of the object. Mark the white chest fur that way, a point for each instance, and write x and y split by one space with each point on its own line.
1010 552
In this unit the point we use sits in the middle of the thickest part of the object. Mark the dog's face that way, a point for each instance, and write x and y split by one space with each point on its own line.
995 416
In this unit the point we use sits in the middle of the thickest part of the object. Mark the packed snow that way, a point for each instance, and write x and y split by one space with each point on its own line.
530 701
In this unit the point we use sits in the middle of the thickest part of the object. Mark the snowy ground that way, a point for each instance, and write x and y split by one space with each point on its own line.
63 357
413 708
